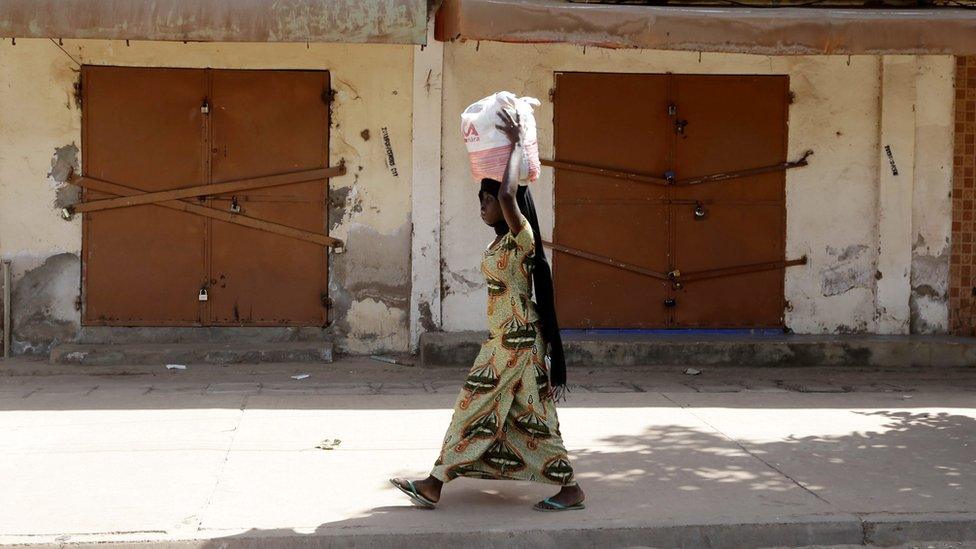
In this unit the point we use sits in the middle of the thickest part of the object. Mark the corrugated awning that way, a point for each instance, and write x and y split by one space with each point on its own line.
769 31
349 21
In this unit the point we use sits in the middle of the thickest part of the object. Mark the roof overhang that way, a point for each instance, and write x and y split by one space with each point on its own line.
349 21
768 31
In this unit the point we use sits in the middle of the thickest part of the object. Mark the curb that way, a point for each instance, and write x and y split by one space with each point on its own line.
878 529
894 529
636 349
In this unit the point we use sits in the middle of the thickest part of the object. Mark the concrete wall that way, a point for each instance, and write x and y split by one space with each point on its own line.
40 136
854 230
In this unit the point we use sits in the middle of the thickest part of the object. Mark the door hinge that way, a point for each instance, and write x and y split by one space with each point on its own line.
326 301
552 94
328 96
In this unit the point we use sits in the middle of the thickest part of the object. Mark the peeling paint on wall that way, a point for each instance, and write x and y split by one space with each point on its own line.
43 305
427 323
374 327
847 271
64 163
372 276
344 203
930 287
859 327
466 280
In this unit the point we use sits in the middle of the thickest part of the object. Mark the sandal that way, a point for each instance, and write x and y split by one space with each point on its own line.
549 506
407 487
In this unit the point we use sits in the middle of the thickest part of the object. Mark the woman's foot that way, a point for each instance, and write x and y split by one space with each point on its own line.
428 489
570 497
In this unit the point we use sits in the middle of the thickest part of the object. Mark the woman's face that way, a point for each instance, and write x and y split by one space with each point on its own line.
491 211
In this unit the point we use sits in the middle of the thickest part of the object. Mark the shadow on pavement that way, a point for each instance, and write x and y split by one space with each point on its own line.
673 474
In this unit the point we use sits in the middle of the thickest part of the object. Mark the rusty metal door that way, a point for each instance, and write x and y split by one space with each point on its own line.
143 127
612 121
631 219
253 256
267 122
729 123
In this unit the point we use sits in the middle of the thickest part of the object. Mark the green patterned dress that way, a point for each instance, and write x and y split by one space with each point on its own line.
502 427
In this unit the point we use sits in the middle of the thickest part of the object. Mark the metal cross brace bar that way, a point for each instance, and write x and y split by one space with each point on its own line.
108 187
212 189
676 276
606 260
740 269
606 172
666 181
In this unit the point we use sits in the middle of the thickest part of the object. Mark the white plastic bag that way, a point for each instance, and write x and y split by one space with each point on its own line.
489 147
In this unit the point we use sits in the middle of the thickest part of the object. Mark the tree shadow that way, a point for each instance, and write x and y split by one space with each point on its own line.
680 474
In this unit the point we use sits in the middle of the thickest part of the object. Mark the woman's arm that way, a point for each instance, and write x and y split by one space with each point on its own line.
506 194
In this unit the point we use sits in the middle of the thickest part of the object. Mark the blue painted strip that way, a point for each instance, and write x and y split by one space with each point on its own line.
686 331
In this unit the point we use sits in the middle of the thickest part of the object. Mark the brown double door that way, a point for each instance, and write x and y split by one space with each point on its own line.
689 126
160 129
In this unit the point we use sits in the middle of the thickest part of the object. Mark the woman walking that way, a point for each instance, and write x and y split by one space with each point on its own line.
504 424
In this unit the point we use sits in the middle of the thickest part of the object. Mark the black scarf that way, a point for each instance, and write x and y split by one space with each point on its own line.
541 282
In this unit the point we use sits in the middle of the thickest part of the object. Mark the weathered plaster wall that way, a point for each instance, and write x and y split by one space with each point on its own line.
932 194
425 296
832 205
40 133
914 184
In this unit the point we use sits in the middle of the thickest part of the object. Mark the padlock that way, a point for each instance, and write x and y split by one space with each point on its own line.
234 206
203 294
700 211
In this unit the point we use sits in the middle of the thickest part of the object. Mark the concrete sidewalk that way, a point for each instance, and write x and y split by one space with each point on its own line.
228 457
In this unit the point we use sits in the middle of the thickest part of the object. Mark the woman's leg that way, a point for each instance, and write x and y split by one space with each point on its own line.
479 414
534 425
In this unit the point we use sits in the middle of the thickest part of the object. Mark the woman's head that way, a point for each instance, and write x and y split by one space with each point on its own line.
491 210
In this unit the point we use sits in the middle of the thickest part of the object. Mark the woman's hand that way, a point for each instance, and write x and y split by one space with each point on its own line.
506 194
510 126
